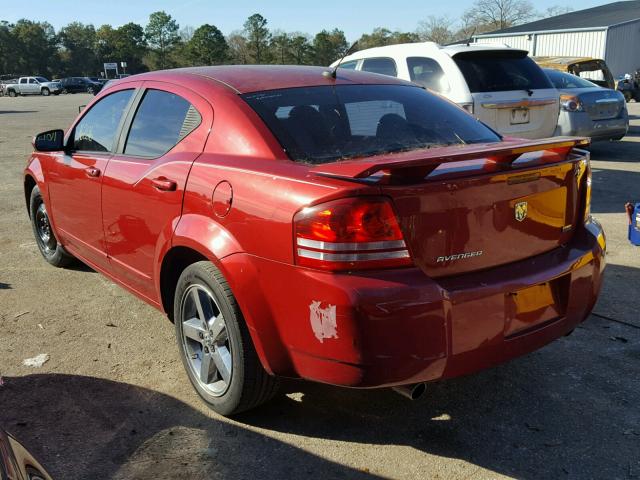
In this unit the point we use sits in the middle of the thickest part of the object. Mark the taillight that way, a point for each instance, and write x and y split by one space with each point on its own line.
350 234
587 193
570 103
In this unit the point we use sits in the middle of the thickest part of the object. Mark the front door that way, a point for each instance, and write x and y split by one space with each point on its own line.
144 182
76 178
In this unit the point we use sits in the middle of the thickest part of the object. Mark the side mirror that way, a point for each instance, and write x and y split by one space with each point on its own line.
51 141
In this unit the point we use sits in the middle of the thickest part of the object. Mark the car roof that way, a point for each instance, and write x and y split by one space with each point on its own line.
427 48
254 78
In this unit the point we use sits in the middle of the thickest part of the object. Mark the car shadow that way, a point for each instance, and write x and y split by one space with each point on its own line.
542 416
5 286
89 428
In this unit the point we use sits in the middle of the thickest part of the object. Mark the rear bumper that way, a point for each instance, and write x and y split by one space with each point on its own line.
397 327
580 124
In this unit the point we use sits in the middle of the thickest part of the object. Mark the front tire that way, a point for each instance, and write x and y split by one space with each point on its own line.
47 243
215 345
45 92
12 93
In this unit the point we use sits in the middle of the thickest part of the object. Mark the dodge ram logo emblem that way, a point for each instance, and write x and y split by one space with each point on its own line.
521 211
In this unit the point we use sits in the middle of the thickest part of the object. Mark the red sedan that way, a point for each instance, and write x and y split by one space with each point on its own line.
357 230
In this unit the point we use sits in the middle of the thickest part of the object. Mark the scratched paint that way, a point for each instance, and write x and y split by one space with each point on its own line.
323 320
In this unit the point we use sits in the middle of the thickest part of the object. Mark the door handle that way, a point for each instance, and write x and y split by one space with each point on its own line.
164 184
92 171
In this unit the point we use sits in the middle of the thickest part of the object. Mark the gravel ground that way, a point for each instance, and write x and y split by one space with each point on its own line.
113 400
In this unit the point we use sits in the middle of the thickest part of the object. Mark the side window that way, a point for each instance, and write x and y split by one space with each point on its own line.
383 66
428 73
33 80
23 80
162 120
96 131
349 65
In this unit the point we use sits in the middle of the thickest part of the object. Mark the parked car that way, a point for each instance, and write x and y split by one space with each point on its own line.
357 231
629 85
16 463
587 109
33 86
593 69
80 85
501 86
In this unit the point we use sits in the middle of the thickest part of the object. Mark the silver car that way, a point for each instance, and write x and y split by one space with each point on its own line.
588 110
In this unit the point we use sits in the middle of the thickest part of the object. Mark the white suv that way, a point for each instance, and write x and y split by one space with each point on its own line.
501 86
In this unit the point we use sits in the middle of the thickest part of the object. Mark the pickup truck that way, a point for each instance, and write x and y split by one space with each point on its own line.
33 86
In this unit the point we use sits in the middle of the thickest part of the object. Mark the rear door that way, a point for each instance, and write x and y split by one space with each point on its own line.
510 92
75 177
144 183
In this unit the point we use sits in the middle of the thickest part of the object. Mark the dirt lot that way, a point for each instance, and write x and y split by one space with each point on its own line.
113 401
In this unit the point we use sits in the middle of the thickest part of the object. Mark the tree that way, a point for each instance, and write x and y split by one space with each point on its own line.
436 29
162 36
35 45
329 46
257 36
79 55
301 49
238 50
487 15
280 47
380 37
207 46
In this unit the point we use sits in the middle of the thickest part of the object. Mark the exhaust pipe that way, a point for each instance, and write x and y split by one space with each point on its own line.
412 392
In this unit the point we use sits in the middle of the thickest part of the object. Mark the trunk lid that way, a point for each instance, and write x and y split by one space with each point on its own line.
601 104
468 208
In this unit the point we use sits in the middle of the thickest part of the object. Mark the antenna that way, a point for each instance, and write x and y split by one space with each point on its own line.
349 50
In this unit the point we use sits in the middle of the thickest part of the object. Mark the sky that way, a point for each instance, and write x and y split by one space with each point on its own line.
354 17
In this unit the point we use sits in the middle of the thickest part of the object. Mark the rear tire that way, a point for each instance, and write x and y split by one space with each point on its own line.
47 243
218 353
45 92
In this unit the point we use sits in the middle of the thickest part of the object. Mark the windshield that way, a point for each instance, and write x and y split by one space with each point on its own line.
564 81
500 71
324 124
41 79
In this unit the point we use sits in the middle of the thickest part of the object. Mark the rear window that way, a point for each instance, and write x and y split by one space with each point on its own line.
500 71
325 124
563 81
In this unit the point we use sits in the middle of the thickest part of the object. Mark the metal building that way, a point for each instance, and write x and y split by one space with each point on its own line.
610 32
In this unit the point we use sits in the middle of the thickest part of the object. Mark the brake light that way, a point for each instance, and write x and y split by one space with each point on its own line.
350 234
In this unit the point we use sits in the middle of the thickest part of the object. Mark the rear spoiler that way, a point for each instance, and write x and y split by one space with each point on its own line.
424 161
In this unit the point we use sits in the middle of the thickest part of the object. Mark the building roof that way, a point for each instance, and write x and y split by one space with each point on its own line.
596 17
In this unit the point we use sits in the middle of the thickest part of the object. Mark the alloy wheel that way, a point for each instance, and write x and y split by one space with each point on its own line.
205 340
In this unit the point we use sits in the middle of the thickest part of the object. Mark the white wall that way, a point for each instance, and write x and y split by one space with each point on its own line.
569 44
623 48
572 44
